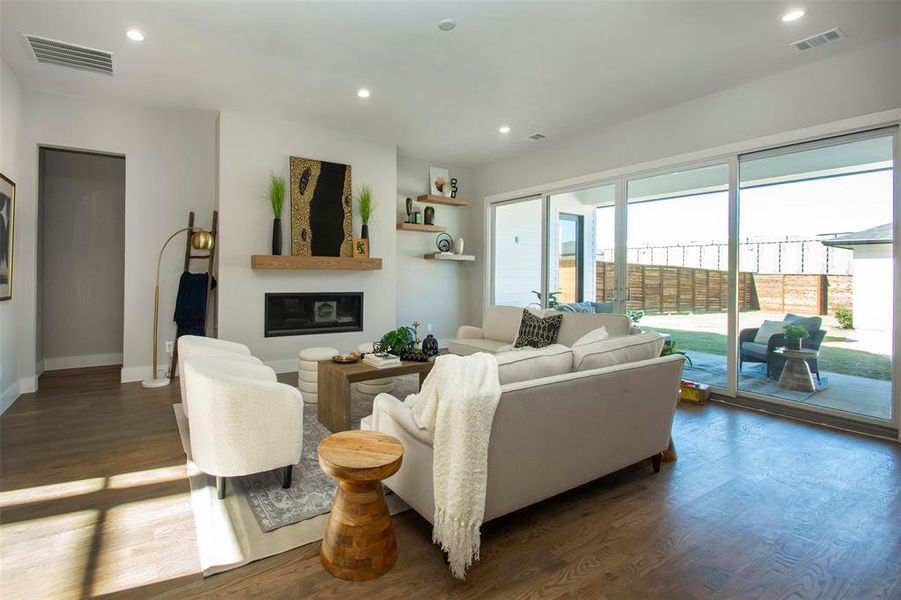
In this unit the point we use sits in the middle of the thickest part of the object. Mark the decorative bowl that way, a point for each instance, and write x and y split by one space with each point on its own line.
346 358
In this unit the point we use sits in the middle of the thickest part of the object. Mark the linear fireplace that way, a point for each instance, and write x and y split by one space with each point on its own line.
305 313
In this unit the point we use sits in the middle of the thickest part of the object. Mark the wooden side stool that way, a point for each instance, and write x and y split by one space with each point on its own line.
359 541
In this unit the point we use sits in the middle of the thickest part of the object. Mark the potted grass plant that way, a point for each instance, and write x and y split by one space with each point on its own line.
793 336
276 194
366 206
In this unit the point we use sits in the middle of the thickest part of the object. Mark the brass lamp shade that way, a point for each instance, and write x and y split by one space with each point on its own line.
202 240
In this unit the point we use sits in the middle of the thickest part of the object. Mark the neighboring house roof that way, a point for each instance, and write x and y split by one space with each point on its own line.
881 234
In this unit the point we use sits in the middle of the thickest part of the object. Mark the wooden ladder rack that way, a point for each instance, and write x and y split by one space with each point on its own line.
210 257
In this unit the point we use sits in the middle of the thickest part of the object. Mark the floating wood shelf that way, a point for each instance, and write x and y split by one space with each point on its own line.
321 263
433 199
457 257
420 227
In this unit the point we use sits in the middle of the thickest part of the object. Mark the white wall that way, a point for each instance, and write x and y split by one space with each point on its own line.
169 171
250 146
12 378
82 259
431 291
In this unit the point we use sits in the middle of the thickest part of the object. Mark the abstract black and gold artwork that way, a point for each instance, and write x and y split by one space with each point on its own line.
321 208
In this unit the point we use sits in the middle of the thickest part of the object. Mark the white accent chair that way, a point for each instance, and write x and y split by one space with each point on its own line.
190 346
243 420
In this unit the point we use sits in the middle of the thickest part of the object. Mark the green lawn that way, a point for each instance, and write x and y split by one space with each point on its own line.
833 360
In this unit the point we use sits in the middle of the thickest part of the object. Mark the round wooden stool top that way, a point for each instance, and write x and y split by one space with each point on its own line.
360 456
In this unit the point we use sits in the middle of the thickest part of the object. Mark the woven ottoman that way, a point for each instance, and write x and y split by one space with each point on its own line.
308 371
373 386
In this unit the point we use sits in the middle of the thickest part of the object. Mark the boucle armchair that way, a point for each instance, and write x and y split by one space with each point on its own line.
243 420
190 346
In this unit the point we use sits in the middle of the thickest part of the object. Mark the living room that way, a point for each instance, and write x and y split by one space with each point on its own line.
422 227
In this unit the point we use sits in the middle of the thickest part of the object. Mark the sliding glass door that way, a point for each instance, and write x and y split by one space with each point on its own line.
677 264
816 242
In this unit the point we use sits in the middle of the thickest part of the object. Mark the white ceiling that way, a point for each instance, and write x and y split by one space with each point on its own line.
555 67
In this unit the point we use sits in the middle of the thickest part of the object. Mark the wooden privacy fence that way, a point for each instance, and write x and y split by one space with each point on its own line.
667 289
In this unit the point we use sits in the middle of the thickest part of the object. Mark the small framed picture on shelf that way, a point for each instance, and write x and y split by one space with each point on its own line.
439 181
361 247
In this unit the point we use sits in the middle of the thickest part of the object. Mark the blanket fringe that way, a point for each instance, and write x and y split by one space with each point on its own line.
461 541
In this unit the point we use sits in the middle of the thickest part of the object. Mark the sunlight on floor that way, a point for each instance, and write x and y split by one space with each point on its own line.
39 562
148 477
53 491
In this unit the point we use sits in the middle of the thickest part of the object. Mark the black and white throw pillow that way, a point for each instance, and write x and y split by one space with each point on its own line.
537 332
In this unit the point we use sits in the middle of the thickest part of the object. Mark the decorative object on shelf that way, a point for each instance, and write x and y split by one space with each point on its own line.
417 217
346 358
321 208
444 243
7 223
453 193
439 181
200 240
429 215
793 336
276 194
364 201
395 341
458 246
361 247
409 206
415 326
430 345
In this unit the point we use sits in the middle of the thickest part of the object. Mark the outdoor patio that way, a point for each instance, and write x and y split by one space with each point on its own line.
855 365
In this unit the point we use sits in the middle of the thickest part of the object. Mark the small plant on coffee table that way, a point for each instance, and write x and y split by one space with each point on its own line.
395 342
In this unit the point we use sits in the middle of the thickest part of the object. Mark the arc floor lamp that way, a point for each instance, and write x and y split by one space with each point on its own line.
202 239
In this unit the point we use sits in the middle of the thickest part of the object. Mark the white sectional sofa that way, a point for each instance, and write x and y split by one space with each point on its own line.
501 326
549 434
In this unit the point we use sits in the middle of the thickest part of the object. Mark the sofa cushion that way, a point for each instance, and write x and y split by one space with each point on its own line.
811 324
536 331
595 335
523 365
767 329
619 350
575 325
502 323
754 349
580 307
466 346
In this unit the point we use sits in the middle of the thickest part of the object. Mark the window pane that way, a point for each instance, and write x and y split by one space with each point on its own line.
517 252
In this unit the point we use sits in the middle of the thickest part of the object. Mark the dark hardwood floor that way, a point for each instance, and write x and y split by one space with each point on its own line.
94 500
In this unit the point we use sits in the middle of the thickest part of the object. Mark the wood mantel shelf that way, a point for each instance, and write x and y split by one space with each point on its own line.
321 263
420 227
433 199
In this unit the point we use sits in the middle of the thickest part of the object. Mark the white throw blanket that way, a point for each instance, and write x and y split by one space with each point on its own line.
456 405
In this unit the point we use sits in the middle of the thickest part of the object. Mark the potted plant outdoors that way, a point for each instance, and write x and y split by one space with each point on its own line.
793 336
552 301
635 316
395 342
364 201
276 193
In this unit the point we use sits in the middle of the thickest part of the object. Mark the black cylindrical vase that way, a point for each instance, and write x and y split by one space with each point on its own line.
364 231
276 236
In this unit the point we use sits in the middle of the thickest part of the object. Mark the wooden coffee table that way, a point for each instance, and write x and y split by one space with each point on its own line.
359 541
796 374
334 386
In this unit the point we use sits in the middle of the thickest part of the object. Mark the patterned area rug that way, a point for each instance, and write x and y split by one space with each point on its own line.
311 490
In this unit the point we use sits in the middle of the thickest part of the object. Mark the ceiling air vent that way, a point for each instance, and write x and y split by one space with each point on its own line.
821 39
63 54
536 136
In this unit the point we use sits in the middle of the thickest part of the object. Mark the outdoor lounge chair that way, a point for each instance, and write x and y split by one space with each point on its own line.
750 351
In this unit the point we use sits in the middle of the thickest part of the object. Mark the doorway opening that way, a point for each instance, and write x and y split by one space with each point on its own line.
81 259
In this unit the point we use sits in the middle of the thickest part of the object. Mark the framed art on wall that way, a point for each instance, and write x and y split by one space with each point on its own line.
321 209
439 181
7 223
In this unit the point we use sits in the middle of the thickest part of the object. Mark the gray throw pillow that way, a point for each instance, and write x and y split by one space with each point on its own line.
537 332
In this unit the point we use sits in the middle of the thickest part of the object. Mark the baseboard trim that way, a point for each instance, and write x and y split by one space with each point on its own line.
9 395
80 362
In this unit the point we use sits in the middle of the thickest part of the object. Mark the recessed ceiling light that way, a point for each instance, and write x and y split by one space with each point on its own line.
363 93
446 24
504 129
135 35
792 15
